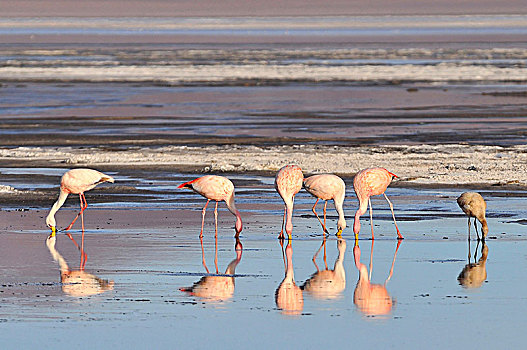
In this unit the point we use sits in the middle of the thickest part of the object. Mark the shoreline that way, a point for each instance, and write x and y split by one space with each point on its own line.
434 166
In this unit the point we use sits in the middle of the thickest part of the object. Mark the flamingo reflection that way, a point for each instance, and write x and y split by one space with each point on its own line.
77 283
328 284
372 299
474 274
288 295
217 287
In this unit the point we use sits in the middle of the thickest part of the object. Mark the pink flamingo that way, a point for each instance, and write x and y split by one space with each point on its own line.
76 181
367 183
326 187
288 182
217 188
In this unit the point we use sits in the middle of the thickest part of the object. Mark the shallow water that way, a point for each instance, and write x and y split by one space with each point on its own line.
149 264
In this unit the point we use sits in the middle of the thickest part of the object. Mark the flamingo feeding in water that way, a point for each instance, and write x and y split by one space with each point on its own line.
473 204
217 188
326 187
288 182
367 183
76 181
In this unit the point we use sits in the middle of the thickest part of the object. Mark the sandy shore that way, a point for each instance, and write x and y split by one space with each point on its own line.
414 164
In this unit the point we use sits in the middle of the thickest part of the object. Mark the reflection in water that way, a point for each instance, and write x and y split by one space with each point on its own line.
372 299
328 284
474 274
77 283
217 288
288 295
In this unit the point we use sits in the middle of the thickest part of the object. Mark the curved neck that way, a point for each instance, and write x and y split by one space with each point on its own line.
50 243
59 203
289 215
341 223
232 208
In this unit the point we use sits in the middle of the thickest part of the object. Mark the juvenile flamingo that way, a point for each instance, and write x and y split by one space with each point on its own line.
326 187
473 204
367 183
76 181
288 182
217 188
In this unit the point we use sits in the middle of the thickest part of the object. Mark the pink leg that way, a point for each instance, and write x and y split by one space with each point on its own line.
371 219
203 217
84 257
216 252
325 207
216 220
314 212
399 236
281 235
79 214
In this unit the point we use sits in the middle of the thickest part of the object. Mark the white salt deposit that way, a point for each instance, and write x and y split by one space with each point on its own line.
421 164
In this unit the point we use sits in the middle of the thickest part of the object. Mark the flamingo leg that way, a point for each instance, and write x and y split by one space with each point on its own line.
469 229
216 220
281 235
469 253
314 212
371 219
203 217
203 255
399 236
325 207
476 228
79 214
84 256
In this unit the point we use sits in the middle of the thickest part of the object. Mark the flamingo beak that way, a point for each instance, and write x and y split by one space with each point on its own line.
339 232
53 231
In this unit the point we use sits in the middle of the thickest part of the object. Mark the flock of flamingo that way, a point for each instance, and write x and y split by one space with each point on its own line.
370 298
288 182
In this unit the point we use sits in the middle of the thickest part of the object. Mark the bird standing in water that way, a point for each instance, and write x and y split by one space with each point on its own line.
288 182
473 204
76 181
367 183
326 187
217 188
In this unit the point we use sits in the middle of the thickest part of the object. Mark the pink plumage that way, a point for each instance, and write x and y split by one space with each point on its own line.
326 187
367 183
216 188
288 182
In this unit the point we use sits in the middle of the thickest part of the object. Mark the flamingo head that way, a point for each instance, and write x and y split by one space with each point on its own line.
50 222
238 227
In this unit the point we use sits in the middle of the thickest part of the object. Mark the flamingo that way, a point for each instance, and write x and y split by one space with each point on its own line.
367 183
473 204
217 188
76 181
288 182
326 187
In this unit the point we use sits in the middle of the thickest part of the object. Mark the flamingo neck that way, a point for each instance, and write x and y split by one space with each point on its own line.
341 223
289 215
50 219
362 209
232 208
339 264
